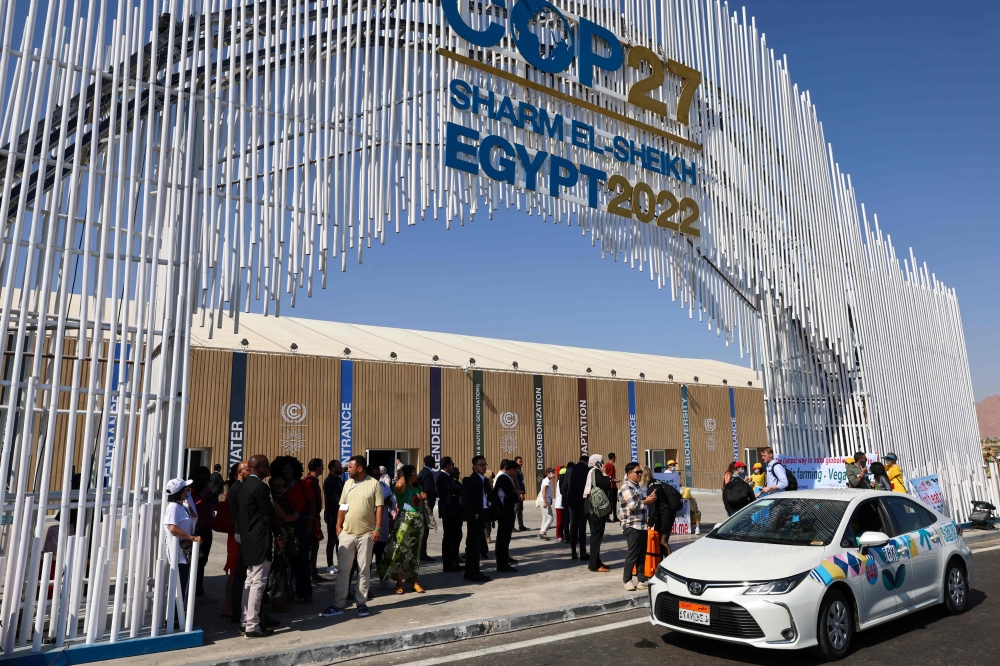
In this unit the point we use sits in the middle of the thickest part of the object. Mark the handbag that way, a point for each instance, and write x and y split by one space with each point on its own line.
224 519
279 580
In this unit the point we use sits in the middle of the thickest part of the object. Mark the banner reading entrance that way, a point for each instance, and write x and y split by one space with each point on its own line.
346 410
237 407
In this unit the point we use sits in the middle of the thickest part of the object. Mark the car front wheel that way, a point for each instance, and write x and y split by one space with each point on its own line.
835 628
956 589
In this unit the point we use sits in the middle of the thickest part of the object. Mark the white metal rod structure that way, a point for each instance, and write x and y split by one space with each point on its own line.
168 163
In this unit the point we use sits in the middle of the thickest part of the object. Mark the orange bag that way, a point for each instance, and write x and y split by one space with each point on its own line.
652 553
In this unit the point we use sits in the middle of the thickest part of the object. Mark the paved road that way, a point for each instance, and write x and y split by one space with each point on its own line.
927 637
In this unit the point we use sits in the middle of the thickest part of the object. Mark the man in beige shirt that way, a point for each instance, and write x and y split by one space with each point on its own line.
359 526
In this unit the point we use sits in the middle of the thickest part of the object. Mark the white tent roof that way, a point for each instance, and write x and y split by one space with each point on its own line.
330 338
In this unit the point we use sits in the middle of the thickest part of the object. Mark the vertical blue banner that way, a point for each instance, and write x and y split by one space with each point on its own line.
732 415
687 435
117 384
346 410
237 408
633 433
436 416
537 385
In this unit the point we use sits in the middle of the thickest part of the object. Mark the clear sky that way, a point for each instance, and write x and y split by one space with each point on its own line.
908 95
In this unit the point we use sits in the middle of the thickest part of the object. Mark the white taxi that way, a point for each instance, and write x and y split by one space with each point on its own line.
809 568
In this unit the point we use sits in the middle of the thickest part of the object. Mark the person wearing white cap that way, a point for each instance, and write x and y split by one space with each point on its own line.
179 520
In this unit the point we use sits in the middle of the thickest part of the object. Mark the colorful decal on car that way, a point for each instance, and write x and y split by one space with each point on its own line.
839 567
871 570
949 532
894 581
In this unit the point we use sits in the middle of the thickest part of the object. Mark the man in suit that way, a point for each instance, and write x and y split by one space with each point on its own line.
507 495
577 515
240 571
257 522
519 484
428 483
449 494
476 517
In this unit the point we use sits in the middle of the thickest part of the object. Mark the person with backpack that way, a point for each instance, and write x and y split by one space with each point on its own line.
663 511
778 478
597 506
737 493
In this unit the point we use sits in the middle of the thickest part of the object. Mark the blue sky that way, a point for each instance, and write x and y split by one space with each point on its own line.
908 95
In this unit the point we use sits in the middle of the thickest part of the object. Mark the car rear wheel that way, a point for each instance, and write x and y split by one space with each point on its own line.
956 589
835 626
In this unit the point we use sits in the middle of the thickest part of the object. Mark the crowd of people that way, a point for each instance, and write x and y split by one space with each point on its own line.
378 522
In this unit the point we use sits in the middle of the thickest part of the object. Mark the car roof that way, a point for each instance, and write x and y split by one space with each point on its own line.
841 494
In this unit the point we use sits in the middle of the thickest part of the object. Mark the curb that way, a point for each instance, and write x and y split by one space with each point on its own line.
446 633
981 536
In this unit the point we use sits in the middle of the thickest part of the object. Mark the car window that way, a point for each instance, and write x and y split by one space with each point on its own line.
866 518
906 516
792 520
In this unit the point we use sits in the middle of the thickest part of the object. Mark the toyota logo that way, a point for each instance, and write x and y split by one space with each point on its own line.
696 588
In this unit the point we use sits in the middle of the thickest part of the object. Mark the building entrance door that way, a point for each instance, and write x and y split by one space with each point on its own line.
387 458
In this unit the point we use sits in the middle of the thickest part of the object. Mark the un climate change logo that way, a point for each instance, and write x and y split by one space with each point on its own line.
542 14
293 413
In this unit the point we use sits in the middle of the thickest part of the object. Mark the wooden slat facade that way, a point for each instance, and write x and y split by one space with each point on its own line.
392 411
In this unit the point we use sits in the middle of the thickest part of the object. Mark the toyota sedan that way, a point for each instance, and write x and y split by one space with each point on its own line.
808 569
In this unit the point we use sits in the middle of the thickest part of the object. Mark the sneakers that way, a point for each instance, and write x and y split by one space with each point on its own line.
630 587
697 530
334 611
642 586
331 570
363 610
546 537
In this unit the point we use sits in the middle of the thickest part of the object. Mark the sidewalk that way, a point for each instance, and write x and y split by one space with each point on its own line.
549 588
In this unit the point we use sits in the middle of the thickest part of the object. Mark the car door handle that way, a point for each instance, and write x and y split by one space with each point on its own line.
936 538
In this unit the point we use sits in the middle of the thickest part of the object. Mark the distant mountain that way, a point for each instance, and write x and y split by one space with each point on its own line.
988 414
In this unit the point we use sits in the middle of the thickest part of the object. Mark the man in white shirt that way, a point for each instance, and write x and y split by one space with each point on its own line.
776 478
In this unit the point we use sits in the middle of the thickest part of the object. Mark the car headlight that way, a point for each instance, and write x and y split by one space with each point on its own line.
661 574
780 586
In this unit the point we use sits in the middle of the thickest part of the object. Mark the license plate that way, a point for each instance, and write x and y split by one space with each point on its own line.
697 613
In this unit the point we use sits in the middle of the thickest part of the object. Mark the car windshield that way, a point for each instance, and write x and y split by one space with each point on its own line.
798 521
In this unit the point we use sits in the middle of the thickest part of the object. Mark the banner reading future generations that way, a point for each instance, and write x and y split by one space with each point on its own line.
346 410
537 396
581 395
237 407
436 416
477 412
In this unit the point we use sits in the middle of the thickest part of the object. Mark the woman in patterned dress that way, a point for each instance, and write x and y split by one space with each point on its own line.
402 556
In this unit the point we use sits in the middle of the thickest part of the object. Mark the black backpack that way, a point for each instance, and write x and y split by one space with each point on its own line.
793 483
673 497
736 494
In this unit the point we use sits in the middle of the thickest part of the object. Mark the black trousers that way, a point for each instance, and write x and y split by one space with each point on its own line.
203 553
474 538
596 537
520 516
303 571
451 541
331 542
505 528
636 557
577 527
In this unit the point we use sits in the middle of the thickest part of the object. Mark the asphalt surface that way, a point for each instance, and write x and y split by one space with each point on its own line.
926 637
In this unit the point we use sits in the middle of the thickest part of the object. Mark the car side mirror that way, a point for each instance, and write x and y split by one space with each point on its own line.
872 540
